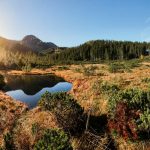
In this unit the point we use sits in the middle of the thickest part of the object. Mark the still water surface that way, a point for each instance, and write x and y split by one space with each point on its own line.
29 88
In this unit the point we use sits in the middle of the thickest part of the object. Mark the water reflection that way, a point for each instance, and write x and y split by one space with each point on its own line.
29 88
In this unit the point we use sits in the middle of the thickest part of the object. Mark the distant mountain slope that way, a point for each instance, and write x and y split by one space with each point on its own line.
28 43
36 44
7 44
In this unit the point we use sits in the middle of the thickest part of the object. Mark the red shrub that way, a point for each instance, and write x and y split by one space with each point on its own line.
123 122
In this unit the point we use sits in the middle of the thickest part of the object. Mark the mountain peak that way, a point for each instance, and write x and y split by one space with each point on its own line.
36 44
30 38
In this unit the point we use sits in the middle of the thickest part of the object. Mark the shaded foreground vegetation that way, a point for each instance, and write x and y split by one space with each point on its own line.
67 111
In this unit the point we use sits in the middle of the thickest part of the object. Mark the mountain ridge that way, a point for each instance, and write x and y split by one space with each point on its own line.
28 43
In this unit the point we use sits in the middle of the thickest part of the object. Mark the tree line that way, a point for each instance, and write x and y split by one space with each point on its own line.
103 50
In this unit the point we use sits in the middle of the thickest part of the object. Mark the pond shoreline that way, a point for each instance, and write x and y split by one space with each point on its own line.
30 88
19 72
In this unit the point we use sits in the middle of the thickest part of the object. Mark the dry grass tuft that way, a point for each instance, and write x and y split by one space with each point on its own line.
30 127
10 110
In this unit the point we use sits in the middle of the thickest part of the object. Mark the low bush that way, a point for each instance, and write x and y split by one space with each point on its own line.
105 88
126 66
129 112
89 71
86 70
53 139
135 98
144 123
67 110
108 88
123 122
116 67
132 63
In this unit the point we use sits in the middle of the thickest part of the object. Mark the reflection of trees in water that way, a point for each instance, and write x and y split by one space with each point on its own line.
30 84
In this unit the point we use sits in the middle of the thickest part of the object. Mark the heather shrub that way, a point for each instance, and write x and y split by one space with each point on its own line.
129 113
123 122
86 70
116 67
89 71
53 139
68 112
126 66
130 64
144 123
105 87
108 88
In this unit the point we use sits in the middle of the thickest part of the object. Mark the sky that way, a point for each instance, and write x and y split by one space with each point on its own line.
73 22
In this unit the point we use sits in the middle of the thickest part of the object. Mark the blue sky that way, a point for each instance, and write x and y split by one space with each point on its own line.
72 22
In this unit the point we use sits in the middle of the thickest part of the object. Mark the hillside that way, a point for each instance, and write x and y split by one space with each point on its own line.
28 43
36 44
